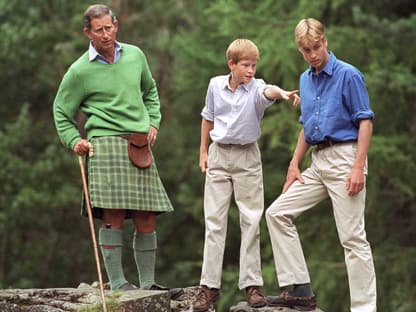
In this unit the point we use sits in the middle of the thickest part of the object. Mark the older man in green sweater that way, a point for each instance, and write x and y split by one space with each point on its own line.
112 84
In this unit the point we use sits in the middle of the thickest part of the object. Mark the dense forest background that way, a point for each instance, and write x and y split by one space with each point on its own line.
45 243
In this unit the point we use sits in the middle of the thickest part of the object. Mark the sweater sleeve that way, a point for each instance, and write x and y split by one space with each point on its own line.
150 95
65 106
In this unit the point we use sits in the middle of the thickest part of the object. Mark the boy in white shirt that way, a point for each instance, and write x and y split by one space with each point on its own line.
235 104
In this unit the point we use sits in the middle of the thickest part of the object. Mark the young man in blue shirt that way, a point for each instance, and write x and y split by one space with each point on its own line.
338 121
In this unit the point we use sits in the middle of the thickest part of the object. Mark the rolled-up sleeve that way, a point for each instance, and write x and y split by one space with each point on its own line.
358 98
208 110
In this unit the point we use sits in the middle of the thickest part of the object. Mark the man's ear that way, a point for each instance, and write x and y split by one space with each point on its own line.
231 64
87 32
325 42
115 23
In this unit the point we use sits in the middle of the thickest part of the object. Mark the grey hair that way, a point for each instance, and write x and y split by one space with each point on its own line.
97 11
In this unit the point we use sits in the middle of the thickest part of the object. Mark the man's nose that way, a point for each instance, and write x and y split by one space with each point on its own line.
106 33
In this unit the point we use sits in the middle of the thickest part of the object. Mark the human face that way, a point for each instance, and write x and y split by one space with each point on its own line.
242 72
315 53
102 34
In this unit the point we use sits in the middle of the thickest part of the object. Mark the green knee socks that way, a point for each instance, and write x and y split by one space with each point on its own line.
111 242
145 245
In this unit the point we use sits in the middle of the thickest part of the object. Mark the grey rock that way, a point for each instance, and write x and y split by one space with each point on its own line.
184 302
244 307
73 299
88 296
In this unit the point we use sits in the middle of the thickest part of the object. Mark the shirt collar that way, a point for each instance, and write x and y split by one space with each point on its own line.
329 66
93 53
226 83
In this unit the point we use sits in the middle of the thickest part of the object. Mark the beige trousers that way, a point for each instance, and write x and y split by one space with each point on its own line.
233 169
326 177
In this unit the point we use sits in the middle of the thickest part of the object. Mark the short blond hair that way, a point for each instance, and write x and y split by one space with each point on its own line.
241 49
309 30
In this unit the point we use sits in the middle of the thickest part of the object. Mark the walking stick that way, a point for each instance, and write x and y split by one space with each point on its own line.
94 241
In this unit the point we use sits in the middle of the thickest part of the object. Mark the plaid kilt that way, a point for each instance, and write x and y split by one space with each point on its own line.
114 182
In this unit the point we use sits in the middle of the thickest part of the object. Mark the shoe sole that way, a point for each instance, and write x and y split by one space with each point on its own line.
213 305
297 308
300 308
176 296
204 310
257 305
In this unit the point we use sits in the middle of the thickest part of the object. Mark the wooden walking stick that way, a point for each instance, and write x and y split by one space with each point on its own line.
94 240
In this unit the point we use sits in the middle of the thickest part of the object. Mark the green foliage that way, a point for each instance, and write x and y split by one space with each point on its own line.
185 42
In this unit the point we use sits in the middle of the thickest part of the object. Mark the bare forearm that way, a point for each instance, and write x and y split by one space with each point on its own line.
206 127
273 92
293 172
364 137
300 151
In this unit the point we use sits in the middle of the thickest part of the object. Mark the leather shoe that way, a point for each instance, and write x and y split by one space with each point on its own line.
255 298
174 293
289 301
128 286
206 298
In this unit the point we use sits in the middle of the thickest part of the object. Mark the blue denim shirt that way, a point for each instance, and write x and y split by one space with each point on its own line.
333 102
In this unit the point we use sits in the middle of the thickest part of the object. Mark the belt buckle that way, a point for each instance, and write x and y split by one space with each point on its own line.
324 144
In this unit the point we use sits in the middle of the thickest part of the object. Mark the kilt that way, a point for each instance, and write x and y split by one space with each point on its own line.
114 182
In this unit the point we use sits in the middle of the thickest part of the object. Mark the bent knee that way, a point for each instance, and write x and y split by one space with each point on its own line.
273 213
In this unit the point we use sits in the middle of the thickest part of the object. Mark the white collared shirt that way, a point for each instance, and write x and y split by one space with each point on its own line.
94 55
236 115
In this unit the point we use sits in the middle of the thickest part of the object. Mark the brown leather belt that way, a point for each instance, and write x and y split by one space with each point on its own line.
324 144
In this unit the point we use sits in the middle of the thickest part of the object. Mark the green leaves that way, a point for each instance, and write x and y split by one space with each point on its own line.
185 42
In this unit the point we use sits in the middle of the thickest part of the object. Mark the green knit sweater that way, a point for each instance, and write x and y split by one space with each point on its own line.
116 98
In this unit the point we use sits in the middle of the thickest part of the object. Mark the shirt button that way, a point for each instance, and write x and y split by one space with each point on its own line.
318 97
317 113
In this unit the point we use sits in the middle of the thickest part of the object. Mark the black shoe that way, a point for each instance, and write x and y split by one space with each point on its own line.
128 286
297 303
174 293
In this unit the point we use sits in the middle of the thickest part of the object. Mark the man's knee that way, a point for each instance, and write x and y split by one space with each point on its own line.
275 214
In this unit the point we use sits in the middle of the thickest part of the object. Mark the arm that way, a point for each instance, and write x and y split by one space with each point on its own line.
355 180
206 127
275 93
293 172
151 102
150 95
65 106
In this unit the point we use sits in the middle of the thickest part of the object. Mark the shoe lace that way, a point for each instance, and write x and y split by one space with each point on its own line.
255 291
203 294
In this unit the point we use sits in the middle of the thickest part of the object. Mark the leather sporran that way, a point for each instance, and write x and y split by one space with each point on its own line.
138 150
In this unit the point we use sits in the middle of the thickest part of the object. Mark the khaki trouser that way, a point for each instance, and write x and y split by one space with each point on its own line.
326 177
233 168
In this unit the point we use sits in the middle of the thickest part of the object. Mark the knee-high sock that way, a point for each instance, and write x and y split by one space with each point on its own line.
111 242
145 245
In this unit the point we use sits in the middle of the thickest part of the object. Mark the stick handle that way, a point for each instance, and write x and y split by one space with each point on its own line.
94 240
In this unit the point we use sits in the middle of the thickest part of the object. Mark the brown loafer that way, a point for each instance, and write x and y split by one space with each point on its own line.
255 298
206 298
297 303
